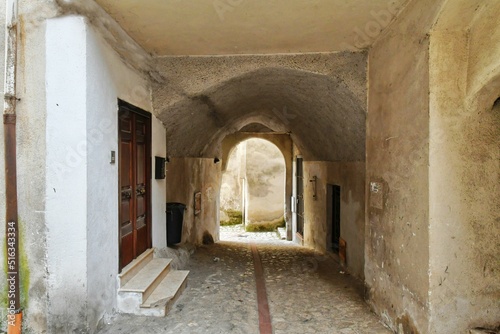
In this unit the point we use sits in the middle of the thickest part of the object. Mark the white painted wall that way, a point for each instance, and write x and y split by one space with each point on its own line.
108 79
66 173
86 78
158 187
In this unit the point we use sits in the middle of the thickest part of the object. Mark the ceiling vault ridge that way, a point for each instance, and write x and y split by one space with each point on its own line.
263 55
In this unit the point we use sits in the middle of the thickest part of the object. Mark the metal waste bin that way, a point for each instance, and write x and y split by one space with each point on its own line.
175 216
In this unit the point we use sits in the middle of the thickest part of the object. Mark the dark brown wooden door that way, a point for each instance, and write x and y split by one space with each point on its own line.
135 198
300 195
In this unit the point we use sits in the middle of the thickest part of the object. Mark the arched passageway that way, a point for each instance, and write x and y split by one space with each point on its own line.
253 187
324 112
313 108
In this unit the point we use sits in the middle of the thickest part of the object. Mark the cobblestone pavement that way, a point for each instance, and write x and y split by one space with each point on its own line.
306 292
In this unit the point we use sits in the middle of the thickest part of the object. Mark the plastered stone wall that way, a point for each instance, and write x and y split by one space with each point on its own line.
31 151
185 177
266 181
464 170
350 176
232 184
397 173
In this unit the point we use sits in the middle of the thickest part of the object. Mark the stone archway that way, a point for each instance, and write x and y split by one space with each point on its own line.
284 144
253 185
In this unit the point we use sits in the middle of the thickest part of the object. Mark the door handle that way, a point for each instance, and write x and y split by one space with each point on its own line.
127 194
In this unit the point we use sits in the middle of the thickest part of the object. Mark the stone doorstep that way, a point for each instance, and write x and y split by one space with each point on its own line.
134 267
148 286
148 278
167 292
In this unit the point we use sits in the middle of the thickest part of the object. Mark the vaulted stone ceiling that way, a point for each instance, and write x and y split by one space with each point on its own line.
217 27
292 80
319 99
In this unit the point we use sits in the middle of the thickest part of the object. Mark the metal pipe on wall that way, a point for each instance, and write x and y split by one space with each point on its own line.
14 313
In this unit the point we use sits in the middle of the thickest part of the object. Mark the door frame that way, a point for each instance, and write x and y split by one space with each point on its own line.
125 106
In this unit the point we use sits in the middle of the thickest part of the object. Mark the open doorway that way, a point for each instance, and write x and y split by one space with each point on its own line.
252 196
333 213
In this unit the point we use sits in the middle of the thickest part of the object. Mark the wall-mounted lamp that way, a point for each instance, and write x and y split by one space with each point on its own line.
314 182
216 160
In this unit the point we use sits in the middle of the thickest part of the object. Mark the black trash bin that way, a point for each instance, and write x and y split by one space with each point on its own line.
175 216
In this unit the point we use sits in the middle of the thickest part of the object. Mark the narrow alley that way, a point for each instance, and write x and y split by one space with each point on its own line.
307 293
139 138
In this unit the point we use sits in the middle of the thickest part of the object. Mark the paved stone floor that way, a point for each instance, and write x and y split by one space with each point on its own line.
307 293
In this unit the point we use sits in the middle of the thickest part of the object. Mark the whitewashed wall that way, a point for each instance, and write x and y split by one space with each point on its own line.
66 185
158 187
85 78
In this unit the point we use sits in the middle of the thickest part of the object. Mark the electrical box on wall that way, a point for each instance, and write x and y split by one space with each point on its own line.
159 168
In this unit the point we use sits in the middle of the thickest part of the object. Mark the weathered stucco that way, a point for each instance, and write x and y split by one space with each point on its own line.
31 159
350 176
464 169
185 177
397 159
452 162
320 99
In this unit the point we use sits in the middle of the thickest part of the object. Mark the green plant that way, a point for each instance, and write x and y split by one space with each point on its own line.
235 218
267 226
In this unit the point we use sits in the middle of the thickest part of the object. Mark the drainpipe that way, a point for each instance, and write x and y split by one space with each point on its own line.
14 314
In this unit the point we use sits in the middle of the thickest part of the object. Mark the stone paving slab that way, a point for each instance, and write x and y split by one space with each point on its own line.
306 293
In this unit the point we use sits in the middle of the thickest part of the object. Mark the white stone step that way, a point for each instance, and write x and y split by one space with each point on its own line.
148 278
134 267
166 293
282 233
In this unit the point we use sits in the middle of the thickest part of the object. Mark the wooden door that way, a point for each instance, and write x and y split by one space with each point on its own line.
335 204
135 175
300 195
